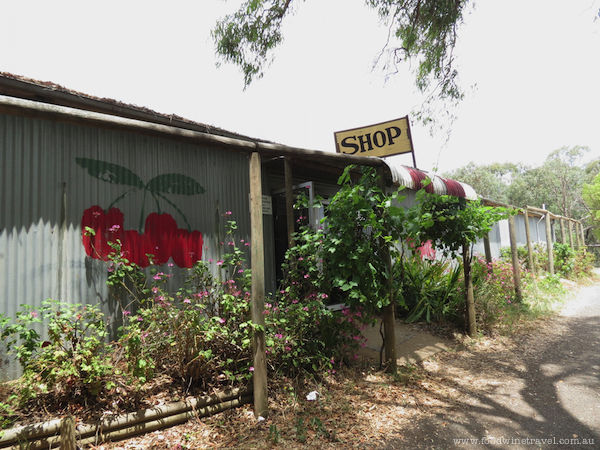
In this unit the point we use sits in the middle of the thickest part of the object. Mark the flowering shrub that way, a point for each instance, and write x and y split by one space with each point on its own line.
303 334
73 361
494 291
200 334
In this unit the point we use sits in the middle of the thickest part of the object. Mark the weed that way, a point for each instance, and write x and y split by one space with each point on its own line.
274 434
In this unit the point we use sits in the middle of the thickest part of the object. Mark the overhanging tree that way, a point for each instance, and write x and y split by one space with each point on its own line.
422 31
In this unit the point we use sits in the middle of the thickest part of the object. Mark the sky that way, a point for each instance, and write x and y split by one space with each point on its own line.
530 69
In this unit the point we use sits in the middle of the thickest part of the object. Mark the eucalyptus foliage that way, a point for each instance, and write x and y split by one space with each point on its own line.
591 196
425 32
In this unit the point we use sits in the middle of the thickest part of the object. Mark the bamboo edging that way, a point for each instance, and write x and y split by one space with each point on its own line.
47 435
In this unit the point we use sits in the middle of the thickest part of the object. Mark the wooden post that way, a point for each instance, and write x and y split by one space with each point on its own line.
514 251
571 233
582 236
289 201
488 251
529 245
261 403
389 314
67 433
470 299
549 245
563 235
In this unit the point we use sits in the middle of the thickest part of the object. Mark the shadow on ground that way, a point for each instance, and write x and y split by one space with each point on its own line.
552 398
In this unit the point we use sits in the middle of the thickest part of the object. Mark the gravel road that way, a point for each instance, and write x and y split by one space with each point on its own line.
543 394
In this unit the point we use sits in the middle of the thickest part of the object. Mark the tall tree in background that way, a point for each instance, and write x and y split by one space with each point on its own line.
565 177
490 181
422 31
556 184
591 196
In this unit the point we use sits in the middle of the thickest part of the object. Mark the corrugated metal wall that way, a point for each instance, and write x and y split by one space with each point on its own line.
500 237
44 193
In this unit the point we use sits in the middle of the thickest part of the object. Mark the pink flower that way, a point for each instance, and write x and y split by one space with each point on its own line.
251 369
219 263
34 314
221 320
187 300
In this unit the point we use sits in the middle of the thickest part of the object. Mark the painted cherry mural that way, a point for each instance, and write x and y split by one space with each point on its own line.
158 235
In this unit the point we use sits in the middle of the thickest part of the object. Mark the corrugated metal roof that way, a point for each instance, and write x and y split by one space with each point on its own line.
46 92
413 179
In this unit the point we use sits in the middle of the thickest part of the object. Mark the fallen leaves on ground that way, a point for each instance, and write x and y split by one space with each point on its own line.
359 407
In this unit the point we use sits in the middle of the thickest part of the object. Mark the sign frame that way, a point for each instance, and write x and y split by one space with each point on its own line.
389 138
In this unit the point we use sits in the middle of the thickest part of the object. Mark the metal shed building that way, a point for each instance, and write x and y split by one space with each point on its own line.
162 184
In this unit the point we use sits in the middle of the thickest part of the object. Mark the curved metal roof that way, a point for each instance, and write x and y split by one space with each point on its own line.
413 179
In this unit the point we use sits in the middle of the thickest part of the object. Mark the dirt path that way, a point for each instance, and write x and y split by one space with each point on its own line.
543 392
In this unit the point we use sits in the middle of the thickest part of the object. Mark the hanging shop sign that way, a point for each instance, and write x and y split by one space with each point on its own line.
382 139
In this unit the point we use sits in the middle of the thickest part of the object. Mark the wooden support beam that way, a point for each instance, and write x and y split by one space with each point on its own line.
571 234
529 244
389 311
515 258
289 201
470 299
549 244
67 434
261 403
582 236
487 248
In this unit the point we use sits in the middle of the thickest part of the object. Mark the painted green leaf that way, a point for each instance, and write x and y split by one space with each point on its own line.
113 173
175 183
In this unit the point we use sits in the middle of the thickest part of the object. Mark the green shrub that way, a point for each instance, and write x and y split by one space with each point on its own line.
303 335
202 333
494 292
564 259
74 360
429 288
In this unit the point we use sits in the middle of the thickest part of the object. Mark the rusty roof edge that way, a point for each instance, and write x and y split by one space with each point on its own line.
47 92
